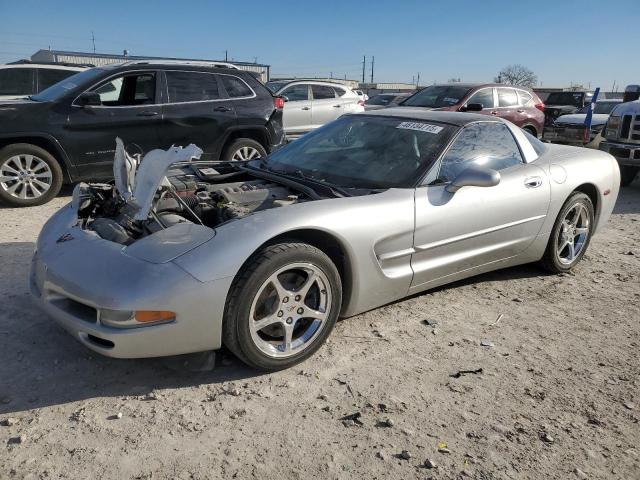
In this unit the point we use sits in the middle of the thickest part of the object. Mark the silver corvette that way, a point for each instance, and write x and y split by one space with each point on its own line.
181 256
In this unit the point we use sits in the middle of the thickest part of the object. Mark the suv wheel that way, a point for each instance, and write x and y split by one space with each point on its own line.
244 149
531 130
29 175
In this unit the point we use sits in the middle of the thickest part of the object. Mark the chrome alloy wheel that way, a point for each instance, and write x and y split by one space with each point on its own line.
573 234
246 153
290 310
25 176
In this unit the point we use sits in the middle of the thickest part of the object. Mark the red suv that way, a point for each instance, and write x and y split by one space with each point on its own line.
519 105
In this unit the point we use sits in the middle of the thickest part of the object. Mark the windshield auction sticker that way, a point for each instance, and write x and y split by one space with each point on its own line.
422 127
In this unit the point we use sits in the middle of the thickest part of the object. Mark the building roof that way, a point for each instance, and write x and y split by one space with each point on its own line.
137 57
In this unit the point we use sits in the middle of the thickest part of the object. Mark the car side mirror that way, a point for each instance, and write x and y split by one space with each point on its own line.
472 107
474 176
89 99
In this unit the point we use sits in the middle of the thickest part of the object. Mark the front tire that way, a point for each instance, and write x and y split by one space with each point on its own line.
571 234
244 149
627 175
29 175
282 306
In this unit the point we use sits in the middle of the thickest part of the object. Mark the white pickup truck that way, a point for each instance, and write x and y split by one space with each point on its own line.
622 135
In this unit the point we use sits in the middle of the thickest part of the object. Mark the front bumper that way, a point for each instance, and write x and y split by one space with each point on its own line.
77 279
626 153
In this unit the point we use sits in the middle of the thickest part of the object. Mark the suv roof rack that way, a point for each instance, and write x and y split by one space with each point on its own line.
60 64
204 63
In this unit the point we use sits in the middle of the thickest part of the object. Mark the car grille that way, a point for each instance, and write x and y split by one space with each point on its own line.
628 131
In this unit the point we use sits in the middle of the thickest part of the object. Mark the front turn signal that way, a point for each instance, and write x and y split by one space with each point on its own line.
150 316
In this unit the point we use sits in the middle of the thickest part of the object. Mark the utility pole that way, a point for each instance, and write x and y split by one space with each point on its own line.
364 64
226 56
418 80
330 74
93 39
373 59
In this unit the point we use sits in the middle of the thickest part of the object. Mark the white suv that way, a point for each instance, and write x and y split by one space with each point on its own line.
309 104
23 79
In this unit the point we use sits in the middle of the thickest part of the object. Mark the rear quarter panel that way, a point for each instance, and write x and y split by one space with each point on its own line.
571 168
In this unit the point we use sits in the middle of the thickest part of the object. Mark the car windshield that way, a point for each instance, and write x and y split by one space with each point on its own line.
565 98
437 96
605 107
60 89
380 100
362 151
275 86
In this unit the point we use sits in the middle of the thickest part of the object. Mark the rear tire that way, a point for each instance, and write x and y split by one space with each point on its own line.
571 234
628 175
282 306
531 130
244 149
29 175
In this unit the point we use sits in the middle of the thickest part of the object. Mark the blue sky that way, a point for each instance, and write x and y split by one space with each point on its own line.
562 41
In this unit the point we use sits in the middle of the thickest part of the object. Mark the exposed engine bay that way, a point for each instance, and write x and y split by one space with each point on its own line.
146 200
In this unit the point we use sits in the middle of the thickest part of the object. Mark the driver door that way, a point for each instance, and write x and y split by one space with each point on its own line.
130 109
297 109
475 226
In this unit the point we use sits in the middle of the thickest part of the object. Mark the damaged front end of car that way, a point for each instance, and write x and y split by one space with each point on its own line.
171 187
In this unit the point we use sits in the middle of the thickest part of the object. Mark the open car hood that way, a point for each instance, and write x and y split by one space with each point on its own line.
137 181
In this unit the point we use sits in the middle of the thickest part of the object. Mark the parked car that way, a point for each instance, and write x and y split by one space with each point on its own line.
359 213
519 105
384 100
564 103
229 113
622 139
571 130
22 79
363 96
310 104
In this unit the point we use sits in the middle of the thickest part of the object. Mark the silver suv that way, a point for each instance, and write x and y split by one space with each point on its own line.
309 104
24 78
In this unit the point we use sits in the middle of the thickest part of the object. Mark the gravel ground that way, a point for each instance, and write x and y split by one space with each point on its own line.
558 395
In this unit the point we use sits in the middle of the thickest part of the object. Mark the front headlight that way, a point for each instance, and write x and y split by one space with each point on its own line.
611 127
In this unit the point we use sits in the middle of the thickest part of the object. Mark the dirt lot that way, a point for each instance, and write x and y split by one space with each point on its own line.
558 395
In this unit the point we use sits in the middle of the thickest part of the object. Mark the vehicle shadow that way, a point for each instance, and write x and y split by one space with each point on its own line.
41 365
629 199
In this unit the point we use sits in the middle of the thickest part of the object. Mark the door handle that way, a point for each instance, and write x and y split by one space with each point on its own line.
337 106
306 108
222 109
147 113
494 112
532 182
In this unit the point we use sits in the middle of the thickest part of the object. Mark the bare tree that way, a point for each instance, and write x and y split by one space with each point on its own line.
517 75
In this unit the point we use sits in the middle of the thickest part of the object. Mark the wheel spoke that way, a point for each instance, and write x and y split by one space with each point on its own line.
41 184
43 175
12 189
311 280
34 189
23 192
317 314
258 325
582 230
6 167
288 338
28 160
572 250
4 179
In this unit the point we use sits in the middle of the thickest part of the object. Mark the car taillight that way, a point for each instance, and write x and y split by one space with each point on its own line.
278 102
361 103
540 106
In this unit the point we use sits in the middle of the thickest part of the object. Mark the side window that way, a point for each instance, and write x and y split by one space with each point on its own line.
49 76
524 97
235 87
128 90
296 92
484 97
191 87
322 92
339 91
16 81
507 97
486 144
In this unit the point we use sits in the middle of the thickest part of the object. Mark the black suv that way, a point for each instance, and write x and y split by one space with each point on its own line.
564 103
67 132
